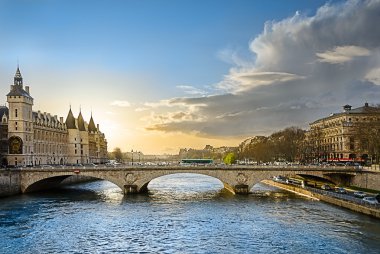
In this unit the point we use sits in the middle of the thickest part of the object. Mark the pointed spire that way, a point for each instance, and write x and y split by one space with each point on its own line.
91 125
70 120
81 126
18 77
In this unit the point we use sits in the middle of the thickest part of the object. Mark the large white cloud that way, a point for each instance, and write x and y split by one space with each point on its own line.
303 68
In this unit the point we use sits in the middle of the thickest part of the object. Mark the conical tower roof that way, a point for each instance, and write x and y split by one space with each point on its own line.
91 125
81 126
70 120
18 78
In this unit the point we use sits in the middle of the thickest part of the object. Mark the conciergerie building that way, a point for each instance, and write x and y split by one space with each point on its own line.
34 138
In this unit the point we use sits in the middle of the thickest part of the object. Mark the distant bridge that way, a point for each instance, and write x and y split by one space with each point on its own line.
135 179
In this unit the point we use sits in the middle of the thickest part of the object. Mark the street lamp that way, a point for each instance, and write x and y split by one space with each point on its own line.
132 156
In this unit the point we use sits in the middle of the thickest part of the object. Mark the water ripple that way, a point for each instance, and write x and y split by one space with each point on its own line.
180 214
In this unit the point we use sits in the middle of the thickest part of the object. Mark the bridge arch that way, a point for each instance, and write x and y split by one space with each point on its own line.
144 186
35 182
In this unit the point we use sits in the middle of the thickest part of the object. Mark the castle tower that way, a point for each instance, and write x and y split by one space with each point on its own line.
20 123
93 144
84 145
73 139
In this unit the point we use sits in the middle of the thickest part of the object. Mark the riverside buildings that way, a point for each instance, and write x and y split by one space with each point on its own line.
34 138
352 135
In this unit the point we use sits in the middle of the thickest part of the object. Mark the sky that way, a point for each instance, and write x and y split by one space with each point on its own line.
160 75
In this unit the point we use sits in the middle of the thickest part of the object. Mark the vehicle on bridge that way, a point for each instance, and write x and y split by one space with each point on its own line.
196 161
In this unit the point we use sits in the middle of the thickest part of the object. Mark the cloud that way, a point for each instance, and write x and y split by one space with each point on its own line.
140 109
191 90
123 104
302 68
342 54
373 76
242 79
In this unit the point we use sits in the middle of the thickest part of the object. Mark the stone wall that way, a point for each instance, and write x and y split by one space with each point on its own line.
368 180
9 183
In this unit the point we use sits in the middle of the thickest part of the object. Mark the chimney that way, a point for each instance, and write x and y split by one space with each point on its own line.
347 108
97 127
27 89
366 104
61 119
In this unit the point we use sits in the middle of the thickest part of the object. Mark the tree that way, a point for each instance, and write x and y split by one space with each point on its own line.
117 154
229 159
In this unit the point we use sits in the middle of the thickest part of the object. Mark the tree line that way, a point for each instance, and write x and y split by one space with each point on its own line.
284 145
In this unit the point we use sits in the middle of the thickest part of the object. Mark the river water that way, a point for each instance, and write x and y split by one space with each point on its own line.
182 213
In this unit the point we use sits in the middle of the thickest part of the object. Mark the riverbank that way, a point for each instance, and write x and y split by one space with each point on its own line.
322 196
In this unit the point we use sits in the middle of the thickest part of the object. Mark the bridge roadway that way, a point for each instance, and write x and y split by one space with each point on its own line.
135 179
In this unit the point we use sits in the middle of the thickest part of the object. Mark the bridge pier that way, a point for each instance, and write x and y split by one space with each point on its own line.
130 189
242 189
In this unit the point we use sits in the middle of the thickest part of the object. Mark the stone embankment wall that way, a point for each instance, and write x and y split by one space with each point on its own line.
9 183
328 199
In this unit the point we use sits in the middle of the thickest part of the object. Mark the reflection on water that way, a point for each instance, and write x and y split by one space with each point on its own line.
180 214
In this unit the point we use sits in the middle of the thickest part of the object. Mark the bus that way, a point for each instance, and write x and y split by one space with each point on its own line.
196 161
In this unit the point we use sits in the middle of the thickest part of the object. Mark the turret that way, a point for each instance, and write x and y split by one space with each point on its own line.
91 125
81 125
70 120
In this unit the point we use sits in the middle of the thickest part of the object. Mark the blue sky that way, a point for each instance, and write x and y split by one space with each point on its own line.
174 42
190 73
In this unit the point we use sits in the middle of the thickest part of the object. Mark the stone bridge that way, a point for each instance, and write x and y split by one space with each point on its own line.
135 179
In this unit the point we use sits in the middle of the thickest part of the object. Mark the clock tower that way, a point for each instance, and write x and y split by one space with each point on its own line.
20 123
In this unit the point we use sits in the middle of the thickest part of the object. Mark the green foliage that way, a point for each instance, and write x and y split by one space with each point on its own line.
229 159
117 154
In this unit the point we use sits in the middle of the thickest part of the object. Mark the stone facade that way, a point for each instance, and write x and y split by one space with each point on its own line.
344 136
36 138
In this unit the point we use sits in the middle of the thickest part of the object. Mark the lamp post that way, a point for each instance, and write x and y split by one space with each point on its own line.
132 156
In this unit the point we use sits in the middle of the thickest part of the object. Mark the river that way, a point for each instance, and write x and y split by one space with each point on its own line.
182 213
